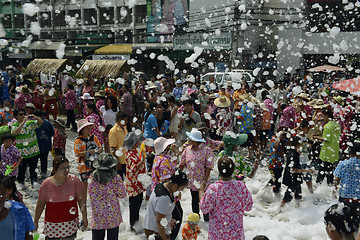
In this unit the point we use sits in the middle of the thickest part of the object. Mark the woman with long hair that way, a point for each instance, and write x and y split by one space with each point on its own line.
95 117
109 110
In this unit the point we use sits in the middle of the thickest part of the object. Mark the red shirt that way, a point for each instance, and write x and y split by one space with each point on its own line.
133 186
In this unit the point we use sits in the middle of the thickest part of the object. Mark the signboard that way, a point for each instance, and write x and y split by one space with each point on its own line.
20 55
88 38
110 57
205 41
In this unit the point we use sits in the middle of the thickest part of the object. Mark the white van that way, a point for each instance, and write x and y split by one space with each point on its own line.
234 76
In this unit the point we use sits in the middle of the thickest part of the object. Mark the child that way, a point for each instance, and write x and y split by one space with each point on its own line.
10 156
59 139
191 229
293 172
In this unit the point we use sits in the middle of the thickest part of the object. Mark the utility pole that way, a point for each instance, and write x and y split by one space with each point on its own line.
235 34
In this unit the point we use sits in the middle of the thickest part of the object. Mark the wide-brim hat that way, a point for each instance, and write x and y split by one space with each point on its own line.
239 140
212 96
339 99
195 135
30 105
319 103
303 96
87 96
244 96
255 100
83 123
161 143
190 78
105 161
222 102
312 102
202 87
151 86
100 93
60 122
131 139
201 126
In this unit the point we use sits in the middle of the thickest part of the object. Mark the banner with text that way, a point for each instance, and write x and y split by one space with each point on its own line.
205 41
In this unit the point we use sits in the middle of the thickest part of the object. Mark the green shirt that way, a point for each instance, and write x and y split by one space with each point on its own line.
241 166
26 140
330 149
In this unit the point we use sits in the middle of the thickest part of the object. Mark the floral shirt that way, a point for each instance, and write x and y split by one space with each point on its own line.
59 140
226 201
288 117
9 157
242 168
197 161
133 186
246 125
266 120
99 104
70 100
224 121
26 140
236 98
6 117
212 144
188 233
104 199
163 168
177 93
23 99
38 100
80 146
203 98
99 128
126 103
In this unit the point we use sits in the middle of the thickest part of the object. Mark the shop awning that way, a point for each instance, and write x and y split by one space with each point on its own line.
144 46
102 68
115 49
46 66
45 45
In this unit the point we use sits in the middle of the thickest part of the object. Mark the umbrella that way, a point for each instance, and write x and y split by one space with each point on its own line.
351 85
326 68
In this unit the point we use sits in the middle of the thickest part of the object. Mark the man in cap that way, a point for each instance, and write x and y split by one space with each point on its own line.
189 119
177 91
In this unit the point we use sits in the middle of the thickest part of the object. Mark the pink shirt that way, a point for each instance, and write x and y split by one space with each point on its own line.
163 168
96 130
226 201
104 198
288 117
70 100
197 161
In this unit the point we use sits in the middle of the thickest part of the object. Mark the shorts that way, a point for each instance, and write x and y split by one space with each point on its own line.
250 141
306 176
85 176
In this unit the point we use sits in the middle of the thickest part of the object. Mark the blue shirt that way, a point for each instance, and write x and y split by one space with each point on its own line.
177 92
7 228
246 125
349 173
44 134
22 220
149 125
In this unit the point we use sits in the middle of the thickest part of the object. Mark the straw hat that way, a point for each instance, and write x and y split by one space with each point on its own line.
212 96
30 105
83 123
222 102
151 86
255 100
161 143
195 135
245 96
202 87
87 96
303 96
100 93
320 104
339 99
312 102
201 126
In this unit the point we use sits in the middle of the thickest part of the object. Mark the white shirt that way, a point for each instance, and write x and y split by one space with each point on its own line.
108 115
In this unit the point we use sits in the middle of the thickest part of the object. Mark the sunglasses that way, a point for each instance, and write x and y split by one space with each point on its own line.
21 114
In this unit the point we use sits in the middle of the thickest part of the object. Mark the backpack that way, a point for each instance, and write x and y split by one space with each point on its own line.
89 159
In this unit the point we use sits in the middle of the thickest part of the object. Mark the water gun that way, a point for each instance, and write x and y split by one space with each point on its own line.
9 169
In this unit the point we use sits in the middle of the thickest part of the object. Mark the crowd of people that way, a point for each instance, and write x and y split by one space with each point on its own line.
161 135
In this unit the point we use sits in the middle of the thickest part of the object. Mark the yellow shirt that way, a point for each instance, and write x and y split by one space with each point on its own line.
116 140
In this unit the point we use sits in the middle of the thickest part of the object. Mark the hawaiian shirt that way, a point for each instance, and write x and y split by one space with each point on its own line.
133 186
177 93
349 173
80 146
126 103
224 121
9 157
26 140
197 161
99 104
6 117
288 117
99 128
246 125
203 98
70 100
236 98
266 120
242 168
163 168
276 157
23 99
